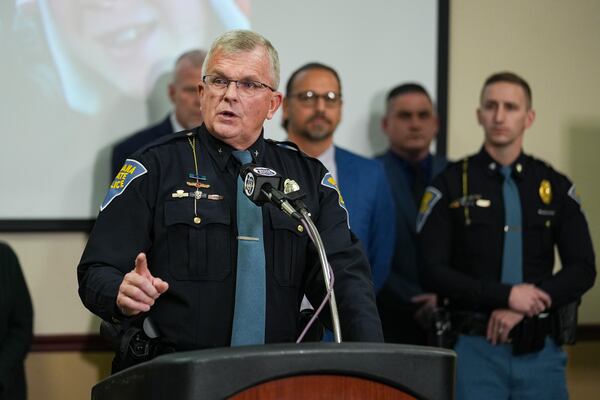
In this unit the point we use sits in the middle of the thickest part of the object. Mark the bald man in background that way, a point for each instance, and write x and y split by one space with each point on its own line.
186 114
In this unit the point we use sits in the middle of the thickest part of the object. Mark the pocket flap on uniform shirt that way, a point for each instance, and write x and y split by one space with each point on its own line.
279 220
539 220
181 211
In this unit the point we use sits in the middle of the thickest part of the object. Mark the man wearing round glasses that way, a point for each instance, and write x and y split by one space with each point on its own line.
312 110
176 208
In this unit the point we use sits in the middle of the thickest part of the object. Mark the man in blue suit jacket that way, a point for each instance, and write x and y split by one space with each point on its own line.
410 124
186 114
311 113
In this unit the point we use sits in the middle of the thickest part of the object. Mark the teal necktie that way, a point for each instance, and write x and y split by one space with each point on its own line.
512 254
250 292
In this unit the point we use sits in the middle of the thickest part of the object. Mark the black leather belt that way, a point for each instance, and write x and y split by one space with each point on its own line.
469 323
475 323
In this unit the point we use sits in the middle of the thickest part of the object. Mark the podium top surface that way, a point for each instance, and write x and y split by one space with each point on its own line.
424 372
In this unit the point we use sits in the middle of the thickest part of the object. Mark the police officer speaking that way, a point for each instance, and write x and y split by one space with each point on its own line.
488 226
211 268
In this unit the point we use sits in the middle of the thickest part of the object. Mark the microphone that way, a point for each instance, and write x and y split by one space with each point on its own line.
259 182
262 185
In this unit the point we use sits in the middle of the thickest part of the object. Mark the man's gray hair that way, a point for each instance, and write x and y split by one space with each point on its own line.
238 41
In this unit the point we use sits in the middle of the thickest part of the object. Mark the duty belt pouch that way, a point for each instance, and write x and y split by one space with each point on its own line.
529 336
564 327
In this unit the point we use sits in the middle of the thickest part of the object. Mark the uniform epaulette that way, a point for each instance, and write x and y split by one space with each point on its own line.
540 161
288 146
285 144
167 138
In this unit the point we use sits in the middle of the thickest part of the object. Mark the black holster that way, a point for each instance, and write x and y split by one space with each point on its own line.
530 334
134 341
440 332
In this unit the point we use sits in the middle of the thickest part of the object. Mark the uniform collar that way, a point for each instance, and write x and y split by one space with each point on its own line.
220 151
410 169
492 168
425 163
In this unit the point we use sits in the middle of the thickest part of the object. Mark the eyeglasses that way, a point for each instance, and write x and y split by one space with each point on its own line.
245 87
310 98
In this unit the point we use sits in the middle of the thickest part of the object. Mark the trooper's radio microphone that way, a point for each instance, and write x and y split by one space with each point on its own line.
294 194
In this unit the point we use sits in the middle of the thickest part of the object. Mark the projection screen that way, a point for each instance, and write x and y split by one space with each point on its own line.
79 76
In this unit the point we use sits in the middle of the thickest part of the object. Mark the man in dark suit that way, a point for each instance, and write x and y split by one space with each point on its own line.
312 110
186 114
410 124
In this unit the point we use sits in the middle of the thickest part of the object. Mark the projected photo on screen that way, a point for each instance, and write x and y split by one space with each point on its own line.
111 47
78 76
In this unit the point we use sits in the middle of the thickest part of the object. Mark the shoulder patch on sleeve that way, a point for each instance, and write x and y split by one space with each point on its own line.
573 194
131 170
429 200
329 181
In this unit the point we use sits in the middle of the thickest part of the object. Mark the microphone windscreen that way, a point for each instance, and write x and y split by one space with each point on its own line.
256 179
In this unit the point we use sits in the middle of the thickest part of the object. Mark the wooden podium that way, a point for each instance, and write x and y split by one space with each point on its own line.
289 371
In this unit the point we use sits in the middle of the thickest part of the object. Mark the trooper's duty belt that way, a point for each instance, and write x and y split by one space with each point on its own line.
530 334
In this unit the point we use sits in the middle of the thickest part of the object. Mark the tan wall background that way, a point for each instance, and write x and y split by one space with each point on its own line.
553 44
49 261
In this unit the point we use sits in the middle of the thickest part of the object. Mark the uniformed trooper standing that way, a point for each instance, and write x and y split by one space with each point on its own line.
175 210
488 226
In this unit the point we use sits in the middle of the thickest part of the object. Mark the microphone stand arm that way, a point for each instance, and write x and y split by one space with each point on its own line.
281 201
316 238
